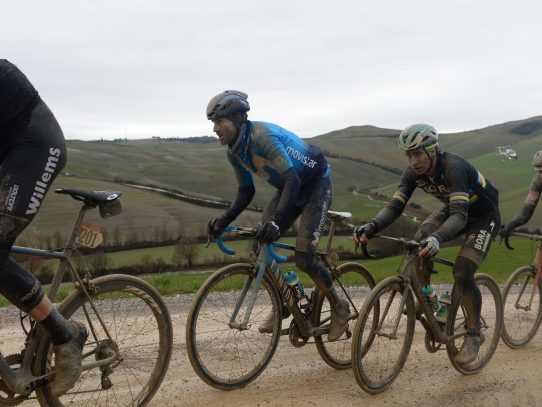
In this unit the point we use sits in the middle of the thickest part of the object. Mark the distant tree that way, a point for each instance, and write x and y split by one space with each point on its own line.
99 262
186 250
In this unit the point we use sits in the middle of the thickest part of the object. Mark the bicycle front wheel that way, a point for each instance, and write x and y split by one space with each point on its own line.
522 316
491 322
353 283
138 330
225 353
383 335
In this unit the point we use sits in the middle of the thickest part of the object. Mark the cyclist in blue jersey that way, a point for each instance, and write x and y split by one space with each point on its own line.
471 208
526 212
298 171
32 154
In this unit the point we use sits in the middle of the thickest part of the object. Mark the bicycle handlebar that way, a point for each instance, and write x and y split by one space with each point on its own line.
520 234
247 232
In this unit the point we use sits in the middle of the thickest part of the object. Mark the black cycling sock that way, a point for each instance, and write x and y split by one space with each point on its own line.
58 328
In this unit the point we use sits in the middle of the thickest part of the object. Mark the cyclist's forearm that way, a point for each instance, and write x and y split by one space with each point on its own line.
386 216
451 227
523 216
241 202
292 185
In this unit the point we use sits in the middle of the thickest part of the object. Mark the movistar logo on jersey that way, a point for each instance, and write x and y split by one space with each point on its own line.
302 158
43 183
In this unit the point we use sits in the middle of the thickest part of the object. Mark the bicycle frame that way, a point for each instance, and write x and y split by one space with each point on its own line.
22 380
410 281
537 264
268 259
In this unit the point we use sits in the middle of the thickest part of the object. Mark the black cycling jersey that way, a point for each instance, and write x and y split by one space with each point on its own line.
456 183
17 95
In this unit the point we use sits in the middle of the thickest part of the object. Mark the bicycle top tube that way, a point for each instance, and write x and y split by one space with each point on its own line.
249 232
407 244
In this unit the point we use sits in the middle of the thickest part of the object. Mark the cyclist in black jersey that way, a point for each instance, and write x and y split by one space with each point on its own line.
32 154
471 208
298 171
525 213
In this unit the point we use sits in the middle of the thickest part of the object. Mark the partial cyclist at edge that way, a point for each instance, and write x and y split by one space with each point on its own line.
471 209
526 212
32 154
298 171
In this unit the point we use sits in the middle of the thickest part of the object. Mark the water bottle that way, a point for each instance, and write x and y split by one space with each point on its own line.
431 297
445 301
291 279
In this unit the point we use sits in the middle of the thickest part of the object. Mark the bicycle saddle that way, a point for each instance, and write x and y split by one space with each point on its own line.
338 216
93 198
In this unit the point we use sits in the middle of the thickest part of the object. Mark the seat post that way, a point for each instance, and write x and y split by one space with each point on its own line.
330 235
70 244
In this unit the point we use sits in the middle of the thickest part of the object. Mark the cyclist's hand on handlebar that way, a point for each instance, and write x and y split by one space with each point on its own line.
268 232
215 227
430 246
505 230
362 233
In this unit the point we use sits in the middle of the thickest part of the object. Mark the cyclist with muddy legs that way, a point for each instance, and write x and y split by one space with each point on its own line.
298 171
526 212
32 154
471 209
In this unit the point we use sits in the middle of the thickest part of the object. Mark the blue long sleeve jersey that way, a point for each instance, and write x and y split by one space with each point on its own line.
269 150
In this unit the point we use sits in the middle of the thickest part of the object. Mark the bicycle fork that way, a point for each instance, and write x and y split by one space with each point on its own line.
264 261
393 334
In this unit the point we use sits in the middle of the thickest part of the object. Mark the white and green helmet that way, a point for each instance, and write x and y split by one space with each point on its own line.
418 137
537 161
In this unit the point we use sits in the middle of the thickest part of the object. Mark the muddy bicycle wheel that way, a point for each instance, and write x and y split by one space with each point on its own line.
224 354
357 282
380 350
491 320
522 316
141 332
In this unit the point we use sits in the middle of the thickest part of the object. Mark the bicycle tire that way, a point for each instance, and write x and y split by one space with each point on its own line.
358 282
369 366
519 324
135 378
491 324
225 357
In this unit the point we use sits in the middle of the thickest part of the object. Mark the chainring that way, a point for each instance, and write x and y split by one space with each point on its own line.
295 336
430 344
8 397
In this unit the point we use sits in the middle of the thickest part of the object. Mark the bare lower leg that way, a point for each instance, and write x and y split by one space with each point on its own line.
42 310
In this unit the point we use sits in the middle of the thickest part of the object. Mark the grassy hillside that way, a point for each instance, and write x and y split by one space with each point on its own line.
201 169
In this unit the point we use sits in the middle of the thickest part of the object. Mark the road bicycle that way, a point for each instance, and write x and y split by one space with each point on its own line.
130 340
384 331
223 342
522 300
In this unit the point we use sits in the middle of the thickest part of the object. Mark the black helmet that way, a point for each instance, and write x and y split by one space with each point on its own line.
227 103
537 161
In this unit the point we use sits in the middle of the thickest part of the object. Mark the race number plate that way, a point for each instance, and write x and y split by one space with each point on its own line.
89 235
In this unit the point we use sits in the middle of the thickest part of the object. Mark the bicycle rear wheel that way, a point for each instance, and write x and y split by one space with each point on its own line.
380 349
357 282
491 320
521 316
224 355
141 332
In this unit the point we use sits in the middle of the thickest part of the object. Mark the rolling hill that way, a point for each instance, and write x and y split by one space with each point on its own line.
363 158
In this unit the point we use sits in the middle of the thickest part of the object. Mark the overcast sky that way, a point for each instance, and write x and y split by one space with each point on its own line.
111 68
